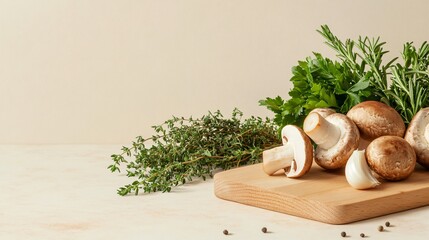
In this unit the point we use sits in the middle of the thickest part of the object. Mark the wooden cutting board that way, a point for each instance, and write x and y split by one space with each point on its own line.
321 195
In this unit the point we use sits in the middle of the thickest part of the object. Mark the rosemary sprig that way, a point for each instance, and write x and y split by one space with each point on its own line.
410 81
184 149
345 50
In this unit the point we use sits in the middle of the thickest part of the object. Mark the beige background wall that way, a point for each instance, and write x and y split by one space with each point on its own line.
104 71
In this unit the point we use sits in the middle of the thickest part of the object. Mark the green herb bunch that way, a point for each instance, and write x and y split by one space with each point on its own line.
358 76
184 149
366 62
408 91
322 82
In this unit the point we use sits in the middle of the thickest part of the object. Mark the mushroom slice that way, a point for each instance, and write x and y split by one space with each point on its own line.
295 156
375 119
417 136
336 137
324 112
391 157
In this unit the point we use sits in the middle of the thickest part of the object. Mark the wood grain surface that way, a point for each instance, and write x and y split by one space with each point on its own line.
321 195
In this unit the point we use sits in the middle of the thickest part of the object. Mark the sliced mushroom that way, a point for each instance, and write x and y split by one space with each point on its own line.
336 137
417 136
324 112
295 156
375 119
391 157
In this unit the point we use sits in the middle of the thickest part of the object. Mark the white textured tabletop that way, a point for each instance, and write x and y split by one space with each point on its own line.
67 192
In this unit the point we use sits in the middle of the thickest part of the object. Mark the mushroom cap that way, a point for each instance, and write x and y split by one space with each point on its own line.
324 112
303 150
417 136
337 156
391 157
375 119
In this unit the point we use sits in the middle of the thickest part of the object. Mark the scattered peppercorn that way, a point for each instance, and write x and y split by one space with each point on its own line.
264 230
362 235
387 224
225 232
380 228
343 234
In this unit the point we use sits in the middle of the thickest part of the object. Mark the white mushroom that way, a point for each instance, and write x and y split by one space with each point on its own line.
417 136
336 137
375 119
295 156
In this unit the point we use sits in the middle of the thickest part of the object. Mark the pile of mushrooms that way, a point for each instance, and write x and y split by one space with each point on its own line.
368 141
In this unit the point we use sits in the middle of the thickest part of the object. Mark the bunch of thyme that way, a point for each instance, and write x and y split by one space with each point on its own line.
184 149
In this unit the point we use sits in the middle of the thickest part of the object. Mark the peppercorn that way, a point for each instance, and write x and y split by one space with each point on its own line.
343 234
264 230
387 224
362 235
225 232
380 228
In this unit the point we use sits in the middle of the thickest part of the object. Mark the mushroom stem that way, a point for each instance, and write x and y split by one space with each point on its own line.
322 132
277 158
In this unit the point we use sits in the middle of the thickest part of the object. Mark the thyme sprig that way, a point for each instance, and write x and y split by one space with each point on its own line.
185 149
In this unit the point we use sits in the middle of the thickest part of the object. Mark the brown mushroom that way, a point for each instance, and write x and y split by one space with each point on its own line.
336 137
375 119
391 157
417 136
295 156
